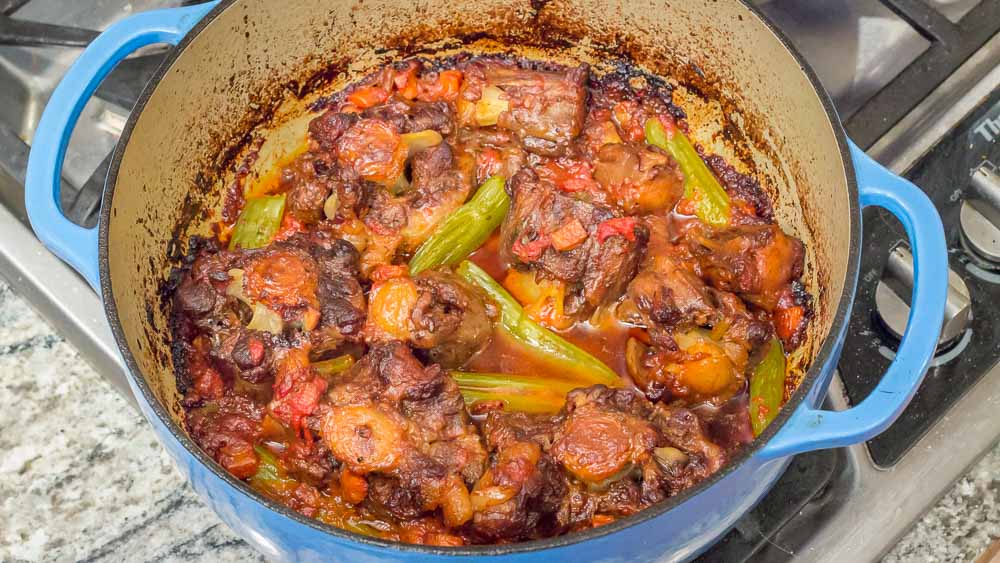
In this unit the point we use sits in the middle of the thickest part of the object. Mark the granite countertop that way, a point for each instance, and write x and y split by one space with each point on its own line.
82 477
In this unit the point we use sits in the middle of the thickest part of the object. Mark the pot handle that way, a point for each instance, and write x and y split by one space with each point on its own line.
72 243
815 429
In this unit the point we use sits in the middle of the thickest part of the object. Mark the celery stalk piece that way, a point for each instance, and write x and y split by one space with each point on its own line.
516 392
700 185
553 348
767 387
465 229
258 223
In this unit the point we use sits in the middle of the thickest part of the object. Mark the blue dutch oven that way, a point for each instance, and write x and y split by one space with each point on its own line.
240 80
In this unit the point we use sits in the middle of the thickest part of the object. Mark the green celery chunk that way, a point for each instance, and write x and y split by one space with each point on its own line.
270 475
700 184
767 387
516 392
258 223
550 346
465 229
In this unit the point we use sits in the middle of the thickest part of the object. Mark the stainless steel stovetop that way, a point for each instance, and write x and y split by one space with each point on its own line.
922 74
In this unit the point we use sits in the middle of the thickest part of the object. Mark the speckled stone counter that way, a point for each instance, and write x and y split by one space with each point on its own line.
83 479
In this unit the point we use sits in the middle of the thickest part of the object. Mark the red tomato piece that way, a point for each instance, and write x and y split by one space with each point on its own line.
531 251
619 226
569 175
444 86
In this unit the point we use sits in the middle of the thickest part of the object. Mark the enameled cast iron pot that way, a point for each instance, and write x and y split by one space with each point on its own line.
240 80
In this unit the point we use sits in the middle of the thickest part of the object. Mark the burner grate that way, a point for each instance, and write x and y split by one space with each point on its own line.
951 44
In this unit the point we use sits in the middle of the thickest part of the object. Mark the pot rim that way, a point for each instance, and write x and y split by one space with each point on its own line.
813 375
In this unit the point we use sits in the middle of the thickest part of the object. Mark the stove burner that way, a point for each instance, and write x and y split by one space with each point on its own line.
952 42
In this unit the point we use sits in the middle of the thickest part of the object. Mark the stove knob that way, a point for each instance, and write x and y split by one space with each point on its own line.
892 299
980 218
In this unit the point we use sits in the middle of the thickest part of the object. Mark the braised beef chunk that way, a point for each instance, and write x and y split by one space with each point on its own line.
220 347
519 494
666 292
522 489
450 319
608 453
228 433
756 261
700 338
400 223
373 150
384 416
341 298
684 431
546 109
729 426
243 353
328 127
316 367
195 298
412 116
605 434
307 283
596 266
307 192
638 179
431 164
669 293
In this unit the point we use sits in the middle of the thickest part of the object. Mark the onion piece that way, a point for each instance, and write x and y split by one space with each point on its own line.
235 287
634 351
266 320
331 205
490 106
603 485
669 457
420 140
491 496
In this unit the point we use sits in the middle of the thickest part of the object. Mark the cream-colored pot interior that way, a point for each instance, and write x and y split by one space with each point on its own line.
248 76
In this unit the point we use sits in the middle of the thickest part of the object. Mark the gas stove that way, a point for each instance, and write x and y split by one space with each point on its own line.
922 96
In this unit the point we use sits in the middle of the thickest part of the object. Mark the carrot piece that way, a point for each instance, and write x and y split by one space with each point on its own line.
569 236
368 96
353 487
